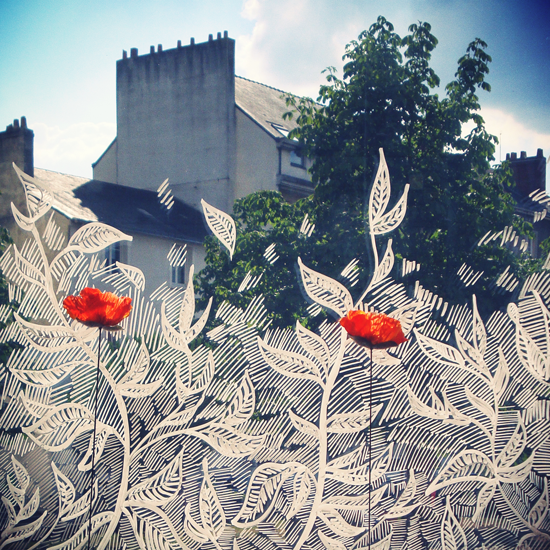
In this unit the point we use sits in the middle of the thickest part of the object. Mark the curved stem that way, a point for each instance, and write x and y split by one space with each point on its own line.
323 442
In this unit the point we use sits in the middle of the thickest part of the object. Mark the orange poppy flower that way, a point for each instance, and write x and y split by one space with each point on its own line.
96 308
373 330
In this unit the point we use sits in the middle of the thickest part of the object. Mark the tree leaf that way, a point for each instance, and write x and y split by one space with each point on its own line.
314 345
44 378
326 291
21 532
222 225
392 219
452 534
380 192
337 524
229 441
438 351
192 528
303 483
264 486
21 474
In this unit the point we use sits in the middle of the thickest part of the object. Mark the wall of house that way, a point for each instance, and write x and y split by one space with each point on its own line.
257 158
105 169
176 120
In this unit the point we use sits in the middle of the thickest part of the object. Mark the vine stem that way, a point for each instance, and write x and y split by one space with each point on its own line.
94 438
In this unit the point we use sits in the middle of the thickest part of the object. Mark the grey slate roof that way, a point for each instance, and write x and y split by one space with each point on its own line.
264 104
126 208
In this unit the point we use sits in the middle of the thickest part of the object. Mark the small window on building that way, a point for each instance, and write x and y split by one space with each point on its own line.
112 254
296 158
178 275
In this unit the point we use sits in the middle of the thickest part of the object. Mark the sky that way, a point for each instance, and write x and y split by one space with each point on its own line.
58 58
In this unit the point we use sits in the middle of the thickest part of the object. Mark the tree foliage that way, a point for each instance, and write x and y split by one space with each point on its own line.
439 145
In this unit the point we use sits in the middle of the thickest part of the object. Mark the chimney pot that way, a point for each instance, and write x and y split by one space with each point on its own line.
507 156
539 153
514 156
219 36
210 38
523 155
124 54
192 41
152 49
16 123
159 48
134 52
24 123
225 35
179 44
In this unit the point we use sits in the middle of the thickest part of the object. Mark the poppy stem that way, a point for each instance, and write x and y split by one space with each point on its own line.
94 439
370 444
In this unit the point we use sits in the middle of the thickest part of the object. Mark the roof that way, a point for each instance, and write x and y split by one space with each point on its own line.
264 104
134 211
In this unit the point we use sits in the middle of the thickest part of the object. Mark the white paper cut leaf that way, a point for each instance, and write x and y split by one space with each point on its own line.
17 493
77 541
331 544
137 391
515 474
133 274
172 336
352 422
438 351
401 508
159 489
349 460
485 495
380 192
288 363
25 223
94 237
81 505
149 536
364 542
502 375
60 427
326 291
20 473
472 355
243 403
206 375
314 345
139 367
222 225
20 532
467 466
355 502
540 509
338 525
515 445
452 534
27 270
192 528
196 329
211 511
480 404
303 425
264 486
187 309
301 490
38 198
12 514
229 441
31 507
360 474
102 435
394 217
478 329
53 338
385 266
44 378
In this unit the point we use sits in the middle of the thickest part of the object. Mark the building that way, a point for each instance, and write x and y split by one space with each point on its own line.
182 116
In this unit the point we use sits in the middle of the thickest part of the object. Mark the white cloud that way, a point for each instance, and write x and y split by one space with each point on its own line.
71 149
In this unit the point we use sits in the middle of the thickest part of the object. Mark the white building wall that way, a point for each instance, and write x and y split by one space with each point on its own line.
105 168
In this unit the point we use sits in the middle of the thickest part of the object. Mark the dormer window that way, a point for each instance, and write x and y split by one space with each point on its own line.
296 158
281 129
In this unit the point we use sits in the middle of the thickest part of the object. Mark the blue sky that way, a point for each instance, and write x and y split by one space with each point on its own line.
59 57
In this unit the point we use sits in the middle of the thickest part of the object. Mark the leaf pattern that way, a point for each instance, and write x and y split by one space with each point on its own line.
222 225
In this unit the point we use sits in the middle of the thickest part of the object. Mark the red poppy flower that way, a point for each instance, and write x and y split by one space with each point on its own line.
96 308
373 330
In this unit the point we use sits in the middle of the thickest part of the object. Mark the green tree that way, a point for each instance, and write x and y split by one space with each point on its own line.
385 100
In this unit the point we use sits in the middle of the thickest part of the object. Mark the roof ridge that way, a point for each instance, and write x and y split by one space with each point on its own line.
264 85
62 173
